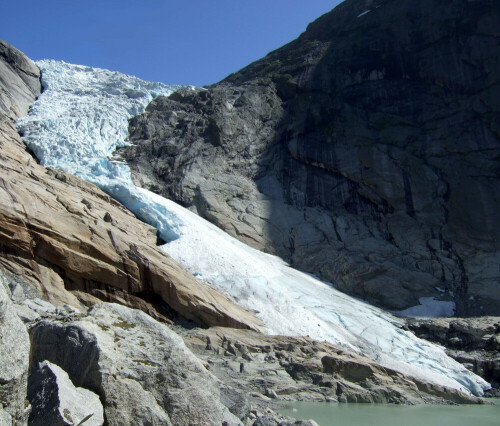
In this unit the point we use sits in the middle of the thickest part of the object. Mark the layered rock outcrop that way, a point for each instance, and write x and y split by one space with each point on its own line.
74 243
366 151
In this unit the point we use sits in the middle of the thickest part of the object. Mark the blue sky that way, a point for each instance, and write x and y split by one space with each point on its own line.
178 42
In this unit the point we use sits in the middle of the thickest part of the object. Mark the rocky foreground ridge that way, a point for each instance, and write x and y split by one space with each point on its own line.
365 152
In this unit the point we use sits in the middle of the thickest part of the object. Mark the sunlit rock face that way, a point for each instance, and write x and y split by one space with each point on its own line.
366 152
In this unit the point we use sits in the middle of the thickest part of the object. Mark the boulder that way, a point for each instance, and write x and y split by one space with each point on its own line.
14 360
300 368
56 401
141 370
73 243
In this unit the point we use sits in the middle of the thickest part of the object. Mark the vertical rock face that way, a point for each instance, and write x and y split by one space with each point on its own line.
366 151
14 361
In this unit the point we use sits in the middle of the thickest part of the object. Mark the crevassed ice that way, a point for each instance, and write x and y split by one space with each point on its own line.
80 119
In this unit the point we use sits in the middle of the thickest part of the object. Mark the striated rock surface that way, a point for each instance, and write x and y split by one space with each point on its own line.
19 81
56 401
366 152
474 342
277 368
14 362
75 244
142 371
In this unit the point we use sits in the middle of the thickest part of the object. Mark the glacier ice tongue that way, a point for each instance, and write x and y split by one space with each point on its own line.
82 117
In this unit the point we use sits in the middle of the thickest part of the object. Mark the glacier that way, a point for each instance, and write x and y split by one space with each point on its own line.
75 126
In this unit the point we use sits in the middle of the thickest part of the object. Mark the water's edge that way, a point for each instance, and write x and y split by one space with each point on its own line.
326 414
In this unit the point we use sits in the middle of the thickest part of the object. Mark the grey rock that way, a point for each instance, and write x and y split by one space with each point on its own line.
56 401
365 152
236 401
247 356
31 310
302 423
26 314
14 359
270 393
475 342
40 307
142 371
265 421
310 371
20 80
271 418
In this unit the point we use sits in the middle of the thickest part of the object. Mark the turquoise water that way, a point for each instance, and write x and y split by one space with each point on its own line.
326 414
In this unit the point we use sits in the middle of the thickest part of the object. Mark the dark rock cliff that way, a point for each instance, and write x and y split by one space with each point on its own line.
367 151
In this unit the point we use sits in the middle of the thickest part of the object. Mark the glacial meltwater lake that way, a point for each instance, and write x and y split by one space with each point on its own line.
332 414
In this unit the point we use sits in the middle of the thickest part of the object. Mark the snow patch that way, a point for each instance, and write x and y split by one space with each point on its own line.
81 118
78 122
429 307
364 13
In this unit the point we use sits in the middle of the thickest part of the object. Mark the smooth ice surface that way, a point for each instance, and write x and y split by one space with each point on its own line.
78 122
430 308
